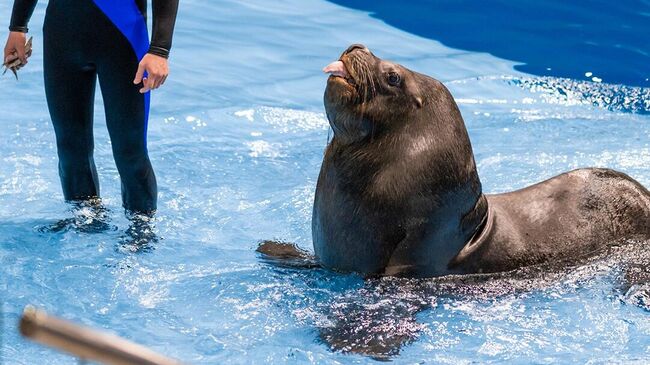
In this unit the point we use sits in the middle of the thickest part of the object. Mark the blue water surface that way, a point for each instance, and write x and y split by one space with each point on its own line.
236 137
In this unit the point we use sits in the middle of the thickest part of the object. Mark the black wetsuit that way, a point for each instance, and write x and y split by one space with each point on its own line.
83 40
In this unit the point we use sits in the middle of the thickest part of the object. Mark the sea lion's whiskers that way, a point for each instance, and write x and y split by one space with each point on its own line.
370 80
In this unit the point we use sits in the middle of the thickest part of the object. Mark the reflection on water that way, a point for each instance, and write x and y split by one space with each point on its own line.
379 318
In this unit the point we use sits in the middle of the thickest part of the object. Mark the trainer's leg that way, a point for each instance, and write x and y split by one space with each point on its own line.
126 118
70 91
121 38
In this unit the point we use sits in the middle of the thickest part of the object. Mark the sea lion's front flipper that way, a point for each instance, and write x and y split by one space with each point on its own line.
286 254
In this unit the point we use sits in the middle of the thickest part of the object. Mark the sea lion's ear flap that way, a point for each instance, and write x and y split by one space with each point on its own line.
418 102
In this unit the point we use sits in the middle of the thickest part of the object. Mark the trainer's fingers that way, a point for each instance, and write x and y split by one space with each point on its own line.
151 82
157 82
21 54
8 52
162 82
146 85
10 56
139 75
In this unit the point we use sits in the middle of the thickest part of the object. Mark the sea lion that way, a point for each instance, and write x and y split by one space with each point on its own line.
398 191
399 194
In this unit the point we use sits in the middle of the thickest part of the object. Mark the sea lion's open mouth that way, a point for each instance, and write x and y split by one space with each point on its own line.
339 69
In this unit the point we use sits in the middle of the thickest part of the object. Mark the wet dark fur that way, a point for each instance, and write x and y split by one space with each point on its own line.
398 192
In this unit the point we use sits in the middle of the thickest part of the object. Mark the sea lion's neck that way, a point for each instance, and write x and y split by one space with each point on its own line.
456 212
425 171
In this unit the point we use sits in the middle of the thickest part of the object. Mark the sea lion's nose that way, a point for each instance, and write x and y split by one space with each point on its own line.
355 46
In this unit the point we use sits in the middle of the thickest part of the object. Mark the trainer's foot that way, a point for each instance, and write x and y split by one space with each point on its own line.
141 235
88 216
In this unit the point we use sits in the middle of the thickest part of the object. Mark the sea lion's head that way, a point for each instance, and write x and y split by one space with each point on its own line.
366 95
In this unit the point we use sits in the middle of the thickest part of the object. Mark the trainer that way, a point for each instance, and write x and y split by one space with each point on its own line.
107 39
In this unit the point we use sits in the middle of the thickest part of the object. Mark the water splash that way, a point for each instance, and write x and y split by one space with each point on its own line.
618 98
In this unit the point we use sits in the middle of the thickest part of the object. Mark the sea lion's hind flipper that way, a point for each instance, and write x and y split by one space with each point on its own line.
286 254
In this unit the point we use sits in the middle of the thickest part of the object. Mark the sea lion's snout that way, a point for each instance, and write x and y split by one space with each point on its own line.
356 95
336 68
344 67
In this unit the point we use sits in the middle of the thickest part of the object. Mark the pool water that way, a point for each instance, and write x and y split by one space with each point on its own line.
236 138
583 40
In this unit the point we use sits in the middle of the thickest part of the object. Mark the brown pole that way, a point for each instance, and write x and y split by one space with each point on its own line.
86 343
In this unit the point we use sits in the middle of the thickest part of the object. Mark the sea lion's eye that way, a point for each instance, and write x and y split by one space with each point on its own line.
394 79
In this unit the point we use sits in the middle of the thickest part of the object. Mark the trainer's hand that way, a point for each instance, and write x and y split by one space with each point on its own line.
15 48
157 70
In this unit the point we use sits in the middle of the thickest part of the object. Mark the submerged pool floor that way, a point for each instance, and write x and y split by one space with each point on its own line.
236 138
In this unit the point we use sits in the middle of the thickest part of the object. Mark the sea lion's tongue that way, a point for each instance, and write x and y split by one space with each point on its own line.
337 69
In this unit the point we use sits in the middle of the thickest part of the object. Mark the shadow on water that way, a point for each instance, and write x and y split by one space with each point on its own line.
379 317
577 40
